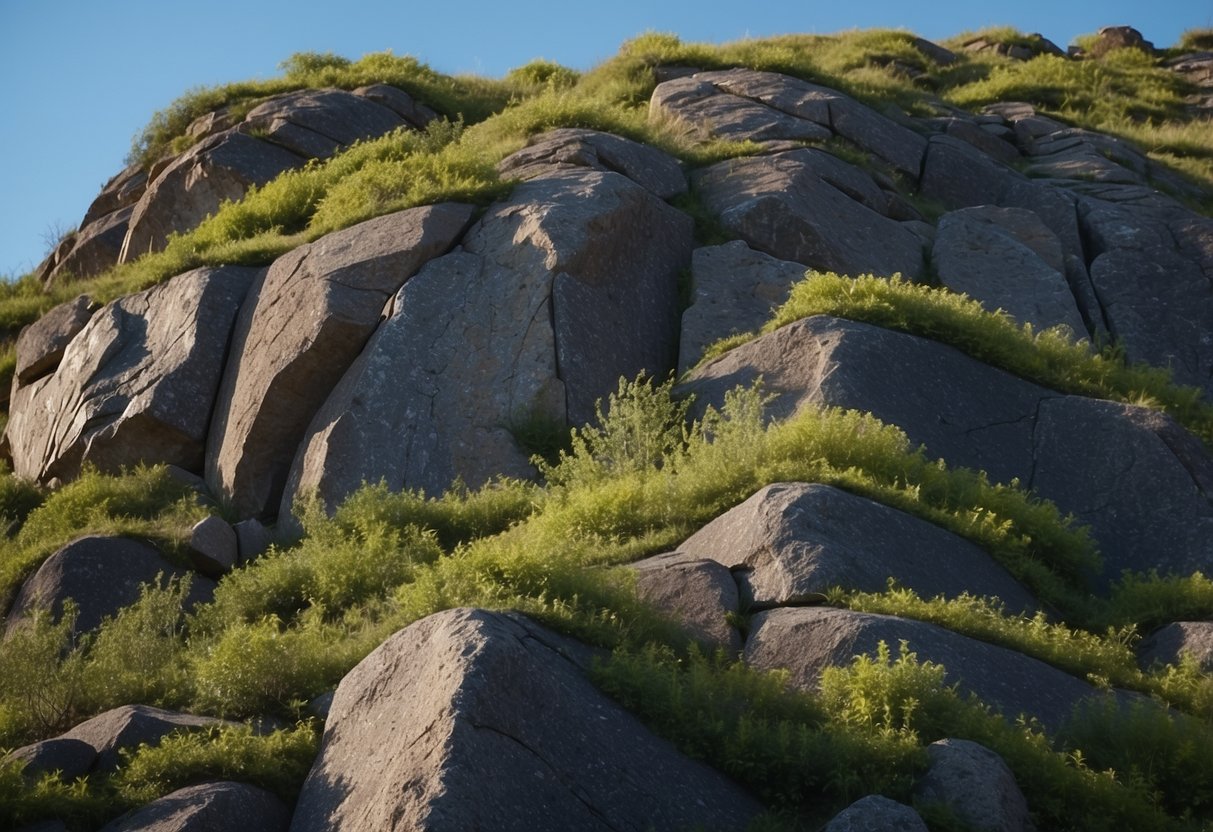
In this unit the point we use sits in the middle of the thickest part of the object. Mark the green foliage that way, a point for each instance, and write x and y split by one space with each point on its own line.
541 73
41 677
18 497
1152 600
1050 358
1195 40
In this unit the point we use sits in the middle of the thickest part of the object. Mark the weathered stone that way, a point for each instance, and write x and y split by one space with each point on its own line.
40 345
937 53
734 289
1148 504
102 575
796 540
1110 38
196 183
252 538
135 384
975 784
983 140
566 148
71 758
97 248
404 105
794 206
284 364
213 547
129 727
123 190
208 124
318 123
710 113
997 256
875 813
518 328
698 594
1169 644
208 807
491 725
807 640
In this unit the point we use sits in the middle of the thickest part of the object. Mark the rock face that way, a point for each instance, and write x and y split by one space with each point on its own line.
102 575
135 384
318 123
41 345
699 594
472 720
791 541
283 365
976 785
517 327
208 807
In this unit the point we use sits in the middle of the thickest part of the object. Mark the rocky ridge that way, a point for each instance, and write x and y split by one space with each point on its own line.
414 348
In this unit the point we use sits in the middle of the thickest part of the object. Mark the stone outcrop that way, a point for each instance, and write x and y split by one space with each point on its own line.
517 327
135 384
699 594
486 720
793 541
41 345
317 123
208 807
1169 644
102 575
570 148
284 364
975 785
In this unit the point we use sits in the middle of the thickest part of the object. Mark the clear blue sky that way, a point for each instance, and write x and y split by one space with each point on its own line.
78 78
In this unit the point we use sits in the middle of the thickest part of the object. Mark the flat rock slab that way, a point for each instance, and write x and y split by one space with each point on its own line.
130 726
1006 258
811 208
519 327
791 541
807 640
1148 505
734 289
135 384
102 575
976 785
470 719
41 345
208 807
1169 644
650 168
699 594
301 329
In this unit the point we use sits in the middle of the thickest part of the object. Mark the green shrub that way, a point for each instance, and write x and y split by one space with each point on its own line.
41 677
18 497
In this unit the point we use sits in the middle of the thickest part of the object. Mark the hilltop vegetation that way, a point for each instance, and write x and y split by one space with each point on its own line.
286 627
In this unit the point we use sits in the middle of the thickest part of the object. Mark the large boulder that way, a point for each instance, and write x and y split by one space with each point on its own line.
208 807
519 328
975 784
1148 505
807 640
808 206
1170 644
96 247
792 541
135 384
567 148
318 123
734 289
70 758
41 345
699 594
300 330
102 575
222 167
470 719
130 726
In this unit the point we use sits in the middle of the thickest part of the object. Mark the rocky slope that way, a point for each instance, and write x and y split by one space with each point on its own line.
428 345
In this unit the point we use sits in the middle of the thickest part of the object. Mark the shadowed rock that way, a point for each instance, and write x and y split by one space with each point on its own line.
1169 644
875 813
699 594
135 384
976 785
208 807
302 328
129 727
794 540
97 247
489 724
70 757
567 148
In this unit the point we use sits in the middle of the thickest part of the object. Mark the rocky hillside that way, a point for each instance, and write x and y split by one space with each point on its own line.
810 433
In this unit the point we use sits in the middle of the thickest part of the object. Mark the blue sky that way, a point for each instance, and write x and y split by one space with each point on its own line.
78 78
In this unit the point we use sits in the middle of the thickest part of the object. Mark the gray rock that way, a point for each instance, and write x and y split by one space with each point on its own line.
102 575
976 785
1007 259
40 345
734 289
937 53
208 807
404 105
1147 504
96 248
798 206
521 326
196 183
876 814
698 594
1110 38
490 725
1169 644
252 539
797 540
316 123
129 727
807 640
135 384
983 140
71 758
123 190
565 148
283 364
708 112
213 546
